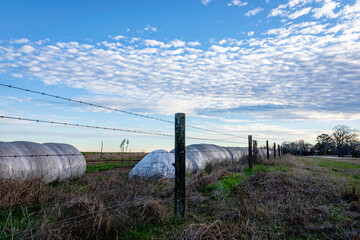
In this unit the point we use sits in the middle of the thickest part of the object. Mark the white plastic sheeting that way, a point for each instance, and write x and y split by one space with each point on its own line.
159 163
21 161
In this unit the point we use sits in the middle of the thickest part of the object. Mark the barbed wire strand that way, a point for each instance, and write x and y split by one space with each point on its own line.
86 126
86 103
107 128
115 109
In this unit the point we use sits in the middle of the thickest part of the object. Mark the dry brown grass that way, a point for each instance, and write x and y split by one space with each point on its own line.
285 198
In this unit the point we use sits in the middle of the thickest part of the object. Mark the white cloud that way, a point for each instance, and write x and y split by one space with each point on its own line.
150 28
238 3
205 2
223 41
27 49
155 43
253 11
40 42
17 75
219 49
327 10
300 13
117 38
276 12
292 72
297 3
193 44
251 33
19 41
177 43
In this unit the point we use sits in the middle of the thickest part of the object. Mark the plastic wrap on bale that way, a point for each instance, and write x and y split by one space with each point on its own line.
159 163
49 161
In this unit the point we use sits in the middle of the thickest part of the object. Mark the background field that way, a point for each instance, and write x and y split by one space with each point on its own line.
291 197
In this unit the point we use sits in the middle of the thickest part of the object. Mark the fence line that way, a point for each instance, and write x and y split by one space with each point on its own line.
86 103
108 128
86 126
115 109
179 168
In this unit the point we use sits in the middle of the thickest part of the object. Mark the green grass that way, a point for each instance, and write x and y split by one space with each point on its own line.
107 166
335 164
231 181
344 169
115 159
109 152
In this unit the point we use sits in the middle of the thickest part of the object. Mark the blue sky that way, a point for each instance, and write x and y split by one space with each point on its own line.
279 70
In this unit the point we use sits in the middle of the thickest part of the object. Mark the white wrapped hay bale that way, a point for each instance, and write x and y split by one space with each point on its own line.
159 163
49 162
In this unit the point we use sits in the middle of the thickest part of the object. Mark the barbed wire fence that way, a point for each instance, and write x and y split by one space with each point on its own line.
179 151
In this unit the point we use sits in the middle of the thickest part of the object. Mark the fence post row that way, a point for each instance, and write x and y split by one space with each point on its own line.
274 150
180 166
250 157
267 150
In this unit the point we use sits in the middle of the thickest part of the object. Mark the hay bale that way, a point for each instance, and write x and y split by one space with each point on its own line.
49 161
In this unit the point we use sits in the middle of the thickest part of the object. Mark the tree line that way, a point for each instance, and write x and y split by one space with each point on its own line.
343 141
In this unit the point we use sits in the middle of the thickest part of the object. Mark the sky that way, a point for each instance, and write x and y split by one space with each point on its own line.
276 70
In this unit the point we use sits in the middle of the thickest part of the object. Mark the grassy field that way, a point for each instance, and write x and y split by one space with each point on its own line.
99 167
291 198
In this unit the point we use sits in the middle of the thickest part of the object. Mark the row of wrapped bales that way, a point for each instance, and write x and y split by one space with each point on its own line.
159 163
48 162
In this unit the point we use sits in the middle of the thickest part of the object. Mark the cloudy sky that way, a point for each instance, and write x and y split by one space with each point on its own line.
279 70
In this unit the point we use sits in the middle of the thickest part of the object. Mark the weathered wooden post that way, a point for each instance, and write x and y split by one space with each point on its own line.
267 150
180 166
274 150
250 157
279 151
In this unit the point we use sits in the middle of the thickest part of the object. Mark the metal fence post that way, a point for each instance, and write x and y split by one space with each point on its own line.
267 150
180 166
250 157
274 150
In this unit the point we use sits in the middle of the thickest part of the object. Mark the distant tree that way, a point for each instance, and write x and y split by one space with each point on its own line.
354 146
343 136
325 143
298 148
124 147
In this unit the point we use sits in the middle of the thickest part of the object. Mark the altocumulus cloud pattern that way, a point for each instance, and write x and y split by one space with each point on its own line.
304 70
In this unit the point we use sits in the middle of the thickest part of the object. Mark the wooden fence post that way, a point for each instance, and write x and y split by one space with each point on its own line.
279 151
250 157
274 150
267 150
180 166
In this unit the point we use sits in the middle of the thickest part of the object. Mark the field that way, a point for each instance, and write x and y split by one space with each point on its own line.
288 198
97 162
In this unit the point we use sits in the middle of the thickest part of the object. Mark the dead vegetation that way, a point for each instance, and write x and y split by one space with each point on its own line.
287 198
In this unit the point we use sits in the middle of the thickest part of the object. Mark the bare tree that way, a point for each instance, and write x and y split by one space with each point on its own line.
124 147
324 143
343 136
